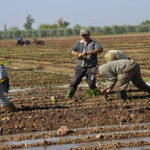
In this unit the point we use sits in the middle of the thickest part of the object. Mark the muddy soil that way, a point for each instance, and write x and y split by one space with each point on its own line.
38 112
41 76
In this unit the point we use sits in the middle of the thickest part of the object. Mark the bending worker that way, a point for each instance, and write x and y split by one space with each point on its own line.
119 73
85 51
4 87
112 55
115 55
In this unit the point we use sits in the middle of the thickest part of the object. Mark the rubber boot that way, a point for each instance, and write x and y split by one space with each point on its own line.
92 92
122 95
69 94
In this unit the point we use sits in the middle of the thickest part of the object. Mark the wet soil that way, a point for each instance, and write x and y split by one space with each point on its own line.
41 76
38 112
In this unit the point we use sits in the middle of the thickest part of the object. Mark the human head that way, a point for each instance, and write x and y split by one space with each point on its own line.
95 71
85 33
101 70
109 56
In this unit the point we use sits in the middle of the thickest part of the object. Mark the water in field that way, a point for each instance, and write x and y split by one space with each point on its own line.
75 137
89 144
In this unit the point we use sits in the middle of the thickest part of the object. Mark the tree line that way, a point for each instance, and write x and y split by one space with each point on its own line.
61 29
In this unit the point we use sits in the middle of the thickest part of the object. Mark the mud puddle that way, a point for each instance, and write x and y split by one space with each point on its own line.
117 126
75 137
93 144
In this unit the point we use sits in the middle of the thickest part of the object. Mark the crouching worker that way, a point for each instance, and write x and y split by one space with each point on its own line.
119 73
4 87
85 52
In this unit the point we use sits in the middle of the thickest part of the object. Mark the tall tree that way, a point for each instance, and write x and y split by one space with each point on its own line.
61 23
28 24
5 27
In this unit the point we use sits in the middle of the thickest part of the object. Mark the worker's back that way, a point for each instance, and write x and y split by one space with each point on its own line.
115 55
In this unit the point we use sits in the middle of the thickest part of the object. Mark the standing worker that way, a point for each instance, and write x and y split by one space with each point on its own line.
4 87
112 55
85 52
119 73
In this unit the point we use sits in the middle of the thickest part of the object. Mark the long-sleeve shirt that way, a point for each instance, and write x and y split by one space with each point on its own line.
111 70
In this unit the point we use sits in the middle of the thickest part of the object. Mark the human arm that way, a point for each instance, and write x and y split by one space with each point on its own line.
96 49
109 87
77 55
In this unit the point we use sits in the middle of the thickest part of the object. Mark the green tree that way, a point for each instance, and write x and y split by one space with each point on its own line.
16 33
77 26
60 32
98 30
47 26
28 24
131 28
143 28
5 27
76 31
35 33
119 29
91 29
29 33
68 32
0 34
52 32
107 30
145 22
14 28
10 34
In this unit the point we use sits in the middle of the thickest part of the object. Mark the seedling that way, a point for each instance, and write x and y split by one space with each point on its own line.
53 100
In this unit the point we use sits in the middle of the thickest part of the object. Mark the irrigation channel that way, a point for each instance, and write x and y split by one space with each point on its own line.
124 137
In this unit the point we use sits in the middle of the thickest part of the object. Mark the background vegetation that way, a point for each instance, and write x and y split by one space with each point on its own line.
60 28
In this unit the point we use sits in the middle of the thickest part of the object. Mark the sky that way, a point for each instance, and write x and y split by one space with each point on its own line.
83 12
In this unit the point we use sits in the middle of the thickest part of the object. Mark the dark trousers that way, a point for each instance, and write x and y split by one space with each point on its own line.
79 73
122 95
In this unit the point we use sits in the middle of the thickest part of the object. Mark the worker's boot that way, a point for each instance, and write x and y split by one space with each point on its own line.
10 108
92 92
69 94
122 95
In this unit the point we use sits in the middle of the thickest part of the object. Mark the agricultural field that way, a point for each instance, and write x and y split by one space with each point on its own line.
39 77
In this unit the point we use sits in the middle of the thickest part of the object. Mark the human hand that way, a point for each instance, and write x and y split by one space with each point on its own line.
108 90
103 91
80 55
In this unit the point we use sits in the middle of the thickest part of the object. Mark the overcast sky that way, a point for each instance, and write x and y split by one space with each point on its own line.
82 12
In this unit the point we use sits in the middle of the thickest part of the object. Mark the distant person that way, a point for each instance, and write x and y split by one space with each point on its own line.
115 55
19 41
4 87
38 42
112 55
85 51
119 73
